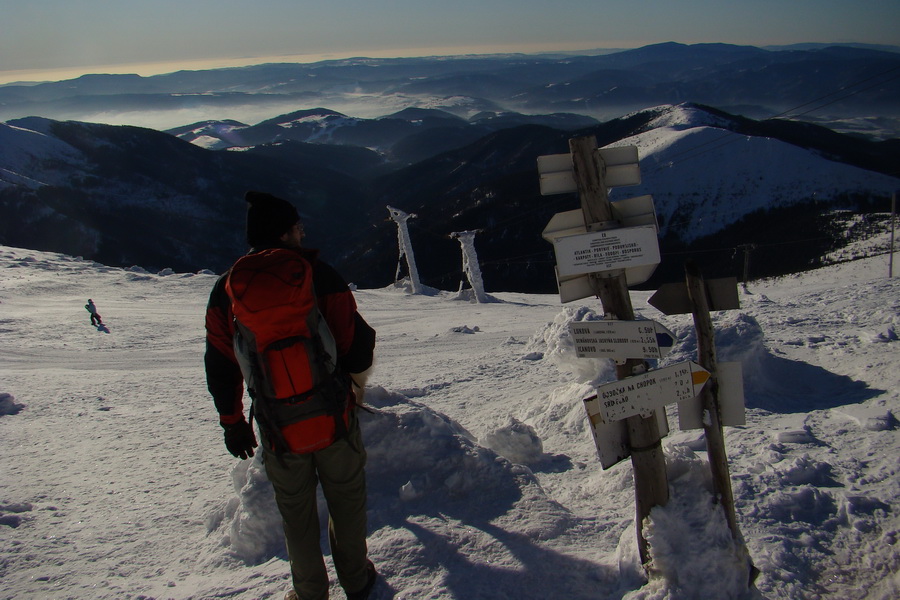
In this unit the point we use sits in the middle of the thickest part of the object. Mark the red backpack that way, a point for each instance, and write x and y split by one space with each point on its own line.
286 352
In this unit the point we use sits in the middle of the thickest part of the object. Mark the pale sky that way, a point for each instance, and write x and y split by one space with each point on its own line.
56 39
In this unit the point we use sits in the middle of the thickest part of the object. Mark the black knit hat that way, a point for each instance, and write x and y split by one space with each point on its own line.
268 218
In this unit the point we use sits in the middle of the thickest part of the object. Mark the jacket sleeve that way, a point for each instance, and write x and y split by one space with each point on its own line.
354 337
361 353
223 375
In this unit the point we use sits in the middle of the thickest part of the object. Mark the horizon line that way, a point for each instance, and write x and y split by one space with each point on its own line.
150 68
162 67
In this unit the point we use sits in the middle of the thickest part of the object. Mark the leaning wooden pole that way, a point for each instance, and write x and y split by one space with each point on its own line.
893 226
706 358
709 398
651 487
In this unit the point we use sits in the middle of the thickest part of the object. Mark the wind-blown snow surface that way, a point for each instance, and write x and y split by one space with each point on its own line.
484 481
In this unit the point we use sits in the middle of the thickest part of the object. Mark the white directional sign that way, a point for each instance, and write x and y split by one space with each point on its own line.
631 212
621 339
606 250
730 400
611 439
642 394
558 175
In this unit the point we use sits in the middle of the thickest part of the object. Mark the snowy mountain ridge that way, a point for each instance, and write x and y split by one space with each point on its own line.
25 150
394 136
717 182
682 116
683 144
705 170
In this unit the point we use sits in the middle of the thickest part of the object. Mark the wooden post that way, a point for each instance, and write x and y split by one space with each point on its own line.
893 222
651 487
709 397
747 249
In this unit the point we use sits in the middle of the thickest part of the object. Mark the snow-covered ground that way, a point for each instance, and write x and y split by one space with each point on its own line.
484 479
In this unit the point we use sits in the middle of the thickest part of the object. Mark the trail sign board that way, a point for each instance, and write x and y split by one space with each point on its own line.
673 298
630 212
621 339
607 250
611 439
558 177
730 400
642 394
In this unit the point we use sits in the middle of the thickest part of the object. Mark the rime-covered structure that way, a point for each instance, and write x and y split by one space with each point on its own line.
405 245
470 263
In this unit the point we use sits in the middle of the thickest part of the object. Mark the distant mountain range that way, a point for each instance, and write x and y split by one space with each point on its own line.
458 149
851 89
406 137
129 195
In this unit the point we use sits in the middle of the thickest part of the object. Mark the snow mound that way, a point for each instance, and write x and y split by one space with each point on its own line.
771 382
423 459
689 539
888 334
250 521
554 343
406 286
870 418
515 441
419 462
469 295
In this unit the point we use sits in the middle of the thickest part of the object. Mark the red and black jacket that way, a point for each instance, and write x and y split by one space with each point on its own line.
354 338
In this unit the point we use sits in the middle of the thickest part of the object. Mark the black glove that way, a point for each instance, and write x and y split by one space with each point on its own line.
240 439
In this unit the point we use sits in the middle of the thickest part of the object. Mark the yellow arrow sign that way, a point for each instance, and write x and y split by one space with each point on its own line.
642 394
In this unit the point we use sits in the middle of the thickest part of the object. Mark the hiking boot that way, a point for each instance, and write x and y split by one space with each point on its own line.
291 595
371 577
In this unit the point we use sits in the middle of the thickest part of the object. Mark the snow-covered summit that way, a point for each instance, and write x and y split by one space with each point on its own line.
704 176
682 116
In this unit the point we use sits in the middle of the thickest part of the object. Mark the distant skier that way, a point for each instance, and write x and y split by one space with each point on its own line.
95 316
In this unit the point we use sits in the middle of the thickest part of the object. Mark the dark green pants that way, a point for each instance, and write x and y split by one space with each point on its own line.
341 470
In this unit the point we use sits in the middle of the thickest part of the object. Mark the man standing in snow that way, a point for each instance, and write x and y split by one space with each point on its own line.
275 223
95 316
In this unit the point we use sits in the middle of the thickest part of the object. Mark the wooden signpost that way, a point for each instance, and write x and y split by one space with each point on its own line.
600 252
606 279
